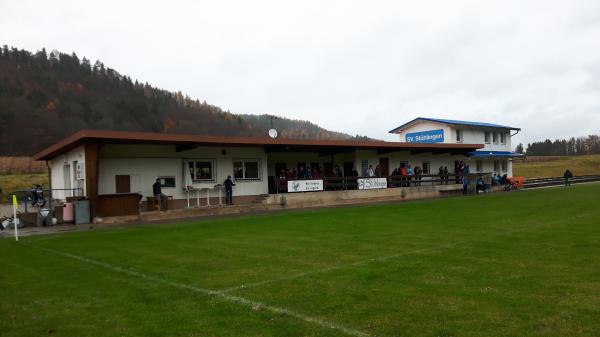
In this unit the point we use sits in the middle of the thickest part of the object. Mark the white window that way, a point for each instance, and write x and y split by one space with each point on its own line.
495 137
503 138
479 165
459 136
364 166
486 136
202 170
168 181
426 167
504 166
246 169
496 166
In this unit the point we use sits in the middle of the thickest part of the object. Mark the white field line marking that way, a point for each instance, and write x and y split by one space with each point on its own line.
209 292
327 269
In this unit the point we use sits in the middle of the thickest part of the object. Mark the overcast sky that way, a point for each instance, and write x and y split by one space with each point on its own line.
356 67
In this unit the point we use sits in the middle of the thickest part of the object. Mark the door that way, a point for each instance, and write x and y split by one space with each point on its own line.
122 183
348 166
67 177
384 167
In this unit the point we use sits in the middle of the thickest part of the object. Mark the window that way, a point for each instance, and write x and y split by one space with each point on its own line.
495 137
202 170
479 166
504 166
503 138
486 137
496 166
364 165
246 169
459 136
167 181
426 167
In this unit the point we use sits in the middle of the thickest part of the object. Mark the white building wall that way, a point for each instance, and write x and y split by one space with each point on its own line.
477 136
471 135
62 170
145 163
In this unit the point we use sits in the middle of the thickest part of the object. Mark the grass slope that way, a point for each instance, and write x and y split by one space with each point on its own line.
20 182
508 264
537 167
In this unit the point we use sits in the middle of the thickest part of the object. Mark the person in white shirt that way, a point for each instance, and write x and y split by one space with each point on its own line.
370 171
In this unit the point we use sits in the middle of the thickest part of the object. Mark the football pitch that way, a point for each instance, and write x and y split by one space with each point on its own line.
507 264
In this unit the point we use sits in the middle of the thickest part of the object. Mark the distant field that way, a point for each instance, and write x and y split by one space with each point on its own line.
507 264
16 182
534 167
20 165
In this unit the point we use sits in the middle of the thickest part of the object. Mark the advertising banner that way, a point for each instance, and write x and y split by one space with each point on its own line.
305 185
371 183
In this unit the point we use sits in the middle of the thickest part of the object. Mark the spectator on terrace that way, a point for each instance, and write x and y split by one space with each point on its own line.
481 186
446 174
337 172
441 174
409 174
418 171
370 171
301 173
377 171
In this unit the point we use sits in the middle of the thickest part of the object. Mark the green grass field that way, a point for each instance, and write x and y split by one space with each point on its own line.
537 167
509 264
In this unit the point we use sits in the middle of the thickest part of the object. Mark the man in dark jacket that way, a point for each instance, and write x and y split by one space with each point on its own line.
159 196
568 175
228 190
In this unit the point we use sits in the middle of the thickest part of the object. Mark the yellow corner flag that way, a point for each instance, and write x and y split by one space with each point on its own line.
16 206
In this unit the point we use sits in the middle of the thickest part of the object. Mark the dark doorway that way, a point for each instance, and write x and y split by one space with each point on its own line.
328 168
122 183
348 166
384 167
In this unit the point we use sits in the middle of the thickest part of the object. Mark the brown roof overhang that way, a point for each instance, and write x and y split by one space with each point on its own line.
127 137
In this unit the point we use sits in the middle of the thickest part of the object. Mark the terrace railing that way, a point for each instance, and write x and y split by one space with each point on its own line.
394 181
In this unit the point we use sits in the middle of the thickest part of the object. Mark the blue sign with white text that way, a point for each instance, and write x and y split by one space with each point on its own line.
431 136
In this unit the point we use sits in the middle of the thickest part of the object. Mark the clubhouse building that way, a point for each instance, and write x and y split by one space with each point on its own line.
115 170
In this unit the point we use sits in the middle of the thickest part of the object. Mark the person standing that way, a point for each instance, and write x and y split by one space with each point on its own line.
568 175
446 174
159 196
370 171
228 191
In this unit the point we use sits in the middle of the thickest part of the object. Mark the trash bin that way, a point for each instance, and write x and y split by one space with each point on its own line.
68 212
82 211
44 217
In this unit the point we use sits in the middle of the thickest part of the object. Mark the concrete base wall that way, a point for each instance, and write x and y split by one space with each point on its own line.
349 196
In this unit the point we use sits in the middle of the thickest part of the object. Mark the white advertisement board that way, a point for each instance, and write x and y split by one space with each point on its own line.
371 183
305 185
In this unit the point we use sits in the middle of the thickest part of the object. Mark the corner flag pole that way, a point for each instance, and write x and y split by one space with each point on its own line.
15 205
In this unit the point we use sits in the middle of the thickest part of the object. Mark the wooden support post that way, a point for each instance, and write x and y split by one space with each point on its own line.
91 176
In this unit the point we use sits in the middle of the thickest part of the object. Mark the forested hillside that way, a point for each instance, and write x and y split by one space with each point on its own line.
47 96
